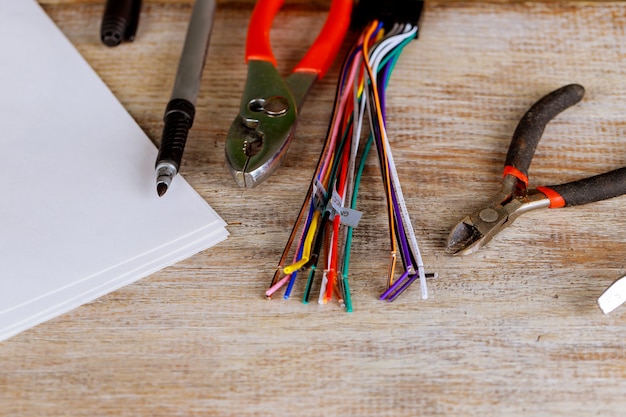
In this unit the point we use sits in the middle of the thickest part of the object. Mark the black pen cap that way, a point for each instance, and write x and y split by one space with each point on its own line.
120 21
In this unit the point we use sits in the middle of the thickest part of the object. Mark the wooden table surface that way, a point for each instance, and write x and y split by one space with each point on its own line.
511 330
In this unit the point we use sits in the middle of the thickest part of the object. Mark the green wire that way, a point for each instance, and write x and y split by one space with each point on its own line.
346 259
309 284
395 54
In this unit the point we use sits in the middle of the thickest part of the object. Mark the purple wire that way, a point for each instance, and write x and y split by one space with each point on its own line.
404 245
405 254
353 53
406 285
395 285
348 64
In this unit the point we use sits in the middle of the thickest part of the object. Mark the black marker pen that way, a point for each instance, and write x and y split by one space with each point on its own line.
119 22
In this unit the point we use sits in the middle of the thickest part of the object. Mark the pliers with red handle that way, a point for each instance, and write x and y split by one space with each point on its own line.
259 136
475 230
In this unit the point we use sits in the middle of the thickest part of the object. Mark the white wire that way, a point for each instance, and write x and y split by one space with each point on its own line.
357 117
377 54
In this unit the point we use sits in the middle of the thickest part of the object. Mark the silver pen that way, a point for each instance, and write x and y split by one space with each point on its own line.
181 108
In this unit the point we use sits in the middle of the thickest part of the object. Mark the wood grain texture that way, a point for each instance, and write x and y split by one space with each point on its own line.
512 330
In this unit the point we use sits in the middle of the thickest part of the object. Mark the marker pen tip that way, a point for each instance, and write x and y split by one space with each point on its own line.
165 174
161 188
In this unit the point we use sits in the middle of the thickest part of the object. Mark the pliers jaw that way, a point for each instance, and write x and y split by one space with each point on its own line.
475 230
259 136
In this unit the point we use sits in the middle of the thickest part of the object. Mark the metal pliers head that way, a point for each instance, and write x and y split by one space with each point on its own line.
260 134
475 230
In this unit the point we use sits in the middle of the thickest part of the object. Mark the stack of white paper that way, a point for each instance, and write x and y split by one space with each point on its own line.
79 216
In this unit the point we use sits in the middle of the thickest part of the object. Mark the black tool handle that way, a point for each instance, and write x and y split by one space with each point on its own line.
119 21
179 115
596 188
531 126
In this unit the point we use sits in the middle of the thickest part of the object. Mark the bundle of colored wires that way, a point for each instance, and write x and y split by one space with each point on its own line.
326 221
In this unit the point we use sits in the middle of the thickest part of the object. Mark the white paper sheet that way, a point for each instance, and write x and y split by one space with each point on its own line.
80 216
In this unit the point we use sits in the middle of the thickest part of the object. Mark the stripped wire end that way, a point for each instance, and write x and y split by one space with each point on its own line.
401 284
277 286
322 299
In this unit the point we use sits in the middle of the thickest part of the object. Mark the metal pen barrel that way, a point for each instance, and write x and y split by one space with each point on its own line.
180 110
193 56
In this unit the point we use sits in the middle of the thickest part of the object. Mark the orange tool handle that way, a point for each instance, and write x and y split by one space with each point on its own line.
323 51
258 45
319 56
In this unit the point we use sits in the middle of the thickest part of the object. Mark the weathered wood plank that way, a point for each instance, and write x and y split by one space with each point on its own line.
513 330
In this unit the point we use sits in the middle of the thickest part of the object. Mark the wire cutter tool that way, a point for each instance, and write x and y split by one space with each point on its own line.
475 230
260 135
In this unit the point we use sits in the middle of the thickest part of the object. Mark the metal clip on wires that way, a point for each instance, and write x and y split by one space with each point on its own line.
327 218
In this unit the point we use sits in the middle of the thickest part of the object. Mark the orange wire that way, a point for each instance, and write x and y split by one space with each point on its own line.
343 175
384 157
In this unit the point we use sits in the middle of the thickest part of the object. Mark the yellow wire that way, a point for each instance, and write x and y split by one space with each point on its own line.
306 251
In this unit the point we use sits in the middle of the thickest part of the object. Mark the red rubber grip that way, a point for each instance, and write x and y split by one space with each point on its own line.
511 170
258 45
556 200
319 56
